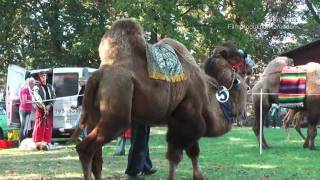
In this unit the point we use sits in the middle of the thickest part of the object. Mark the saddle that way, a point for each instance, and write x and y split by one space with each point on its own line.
292 89
163 63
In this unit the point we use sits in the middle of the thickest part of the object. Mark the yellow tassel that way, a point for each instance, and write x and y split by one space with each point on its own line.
160 76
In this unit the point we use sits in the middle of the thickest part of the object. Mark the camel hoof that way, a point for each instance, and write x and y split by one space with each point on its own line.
312 148
198 176
265 146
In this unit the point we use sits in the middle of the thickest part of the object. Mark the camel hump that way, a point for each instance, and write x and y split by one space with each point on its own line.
124 38
126 26
277 64
181 50
311 67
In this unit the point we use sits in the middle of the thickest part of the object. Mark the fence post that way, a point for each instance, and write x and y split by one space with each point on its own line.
260 122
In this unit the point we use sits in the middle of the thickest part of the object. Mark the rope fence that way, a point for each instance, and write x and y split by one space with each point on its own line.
261 94
66 98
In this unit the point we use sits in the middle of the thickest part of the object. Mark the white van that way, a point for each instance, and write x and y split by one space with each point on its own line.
65 83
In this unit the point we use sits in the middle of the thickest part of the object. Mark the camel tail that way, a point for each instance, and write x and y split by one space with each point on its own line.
87 103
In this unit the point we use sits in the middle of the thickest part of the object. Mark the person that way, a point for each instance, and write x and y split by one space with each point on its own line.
121 143
247 60
139 161
82 83
44 96
25 107
274 115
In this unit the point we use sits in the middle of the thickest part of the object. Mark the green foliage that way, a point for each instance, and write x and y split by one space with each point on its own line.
250 11
40 34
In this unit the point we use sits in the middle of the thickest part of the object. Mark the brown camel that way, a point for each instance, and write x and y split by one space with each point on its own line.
120 92
295 117
269 83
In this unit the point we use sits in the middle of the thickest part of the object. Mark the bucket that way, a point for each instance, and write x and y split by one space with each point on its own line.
5 144
13 134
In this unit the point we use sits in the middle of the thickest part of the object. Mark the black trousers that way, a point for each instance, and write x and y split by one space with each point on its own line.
138 158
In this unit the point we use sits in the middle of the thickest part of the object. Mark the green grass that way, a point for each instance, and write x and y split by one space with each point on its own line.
232 156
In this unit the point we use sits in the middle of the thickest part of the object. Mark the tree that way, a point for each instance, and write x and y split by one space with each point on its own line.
40 34
313 10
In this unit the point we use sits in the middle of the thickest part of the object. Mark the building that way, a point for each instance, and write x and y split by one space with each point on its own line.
305 53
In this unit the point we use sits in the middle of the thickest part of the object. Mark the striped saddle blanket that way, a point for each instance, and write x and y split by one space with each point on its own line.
163 63
292 89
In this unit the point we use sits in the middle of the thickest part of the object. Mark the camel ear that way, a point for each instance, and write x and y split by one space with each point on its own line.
224 52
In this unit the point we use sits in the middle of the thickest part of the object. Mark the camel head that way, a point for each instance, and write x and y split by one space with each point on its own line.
220 67
221 64
229 52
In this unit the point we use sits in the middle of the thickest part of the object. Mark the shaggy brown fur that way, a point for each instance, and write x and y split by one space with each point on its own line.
227 51
295 117
269 83
121 92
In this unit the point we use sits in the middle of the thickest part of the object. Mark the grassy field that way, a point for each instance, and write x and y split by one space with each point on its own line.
232 156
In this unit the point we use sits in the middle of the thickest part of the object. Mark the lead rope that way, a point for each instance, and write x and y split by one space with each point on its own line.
217 85
233 78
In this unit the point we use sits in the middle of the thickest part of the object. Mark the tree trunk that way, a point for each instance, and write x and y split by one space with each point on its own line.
313 11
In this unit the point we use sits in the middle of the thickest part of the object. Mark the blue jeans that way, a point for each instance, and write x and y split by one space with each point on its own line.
25 123
121 144
83 133
138 158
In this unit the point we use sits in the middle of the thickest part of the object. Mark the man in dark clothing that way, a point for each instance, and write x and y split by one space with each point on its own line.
138 158
82 83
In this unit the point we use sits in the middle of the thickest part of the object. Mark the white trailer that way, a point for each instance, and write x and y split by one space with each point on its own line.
64 80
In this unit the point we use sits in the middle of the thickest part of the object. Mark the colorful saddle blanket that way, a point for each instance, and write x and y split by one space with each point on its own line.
292 89
164 64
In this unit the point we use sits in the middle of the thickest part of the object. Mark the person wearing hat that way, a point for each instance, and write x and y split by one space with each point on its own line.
44 95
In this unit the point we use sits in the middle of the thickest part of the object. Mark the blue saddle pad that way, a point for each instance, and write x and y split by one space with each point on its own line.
163 63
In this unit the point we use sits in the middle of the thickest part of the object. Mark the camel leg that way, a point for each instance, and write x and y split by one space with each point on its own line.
90 149
184 129
86 150
174 155
109 127
312 133
97 164
180 136
89 162
297 124
114 110
193 153
306 142
86 155
256 124
286 122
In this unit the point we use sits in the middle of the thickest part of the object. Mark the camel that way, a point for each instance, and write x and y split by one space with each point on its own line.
120 92
269 83
295 117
